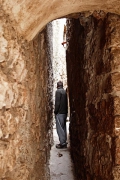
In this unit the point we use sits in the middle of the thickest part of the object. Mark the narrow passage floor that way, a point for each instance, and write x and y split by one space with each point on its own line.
61 167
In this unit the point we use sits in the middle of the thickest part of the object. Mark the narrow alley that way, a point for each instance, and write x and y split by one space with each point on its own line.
42 42
61 166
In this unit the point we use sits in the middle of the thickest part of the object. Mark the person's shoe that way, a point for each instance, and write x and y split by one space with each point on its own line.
60 146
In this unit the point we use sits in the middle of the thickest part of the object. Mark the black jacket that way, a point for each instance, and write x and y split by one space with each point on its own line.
61 104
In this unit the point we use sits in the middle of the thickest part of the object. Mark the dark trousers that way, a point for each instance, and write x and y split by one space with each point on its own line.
61 128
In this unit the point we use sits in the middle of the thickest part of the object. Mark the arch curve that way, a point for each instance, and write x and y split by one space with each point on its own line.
30 16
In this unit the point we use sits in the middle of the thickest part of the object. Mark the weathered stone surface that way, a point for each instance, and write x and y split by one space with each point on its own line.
25 104
31 16
26 88
93 80
114 21
59 54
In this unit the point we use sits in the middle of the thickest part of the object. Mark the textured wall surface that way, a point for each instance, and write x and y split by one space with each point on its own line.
30 16
59 54
93 80
25 104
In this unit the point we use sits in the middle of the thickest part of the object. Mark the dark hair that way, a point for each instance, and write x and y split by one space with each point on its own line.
59 84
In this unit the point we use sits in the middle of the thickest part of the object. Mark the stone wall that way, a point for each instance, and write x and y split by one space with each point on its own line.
93 80
25 104
59 54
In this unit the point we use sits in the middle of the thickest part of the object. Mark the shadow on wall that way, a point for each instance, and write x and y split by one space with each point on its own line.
90 63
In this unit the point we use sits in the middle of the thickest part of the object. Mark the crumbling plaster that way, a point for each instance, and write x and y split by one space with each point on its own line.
30 17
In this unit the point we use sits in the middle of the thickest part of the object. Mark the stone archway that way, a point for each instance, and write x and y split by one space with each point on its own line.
31 16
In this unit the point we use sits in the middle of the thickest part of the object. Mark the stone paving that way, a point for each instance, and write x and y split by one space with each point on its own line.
61 167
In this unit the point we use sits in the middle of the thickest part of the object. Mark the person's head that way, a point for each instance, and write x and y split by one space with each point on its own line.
59 84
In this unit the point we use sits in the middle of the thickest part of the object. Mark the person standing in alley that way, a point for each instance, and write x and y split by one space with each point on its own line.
61 110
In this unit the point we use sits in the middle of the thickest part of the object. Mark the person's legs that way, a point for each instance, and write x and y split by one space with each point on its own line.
61 128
